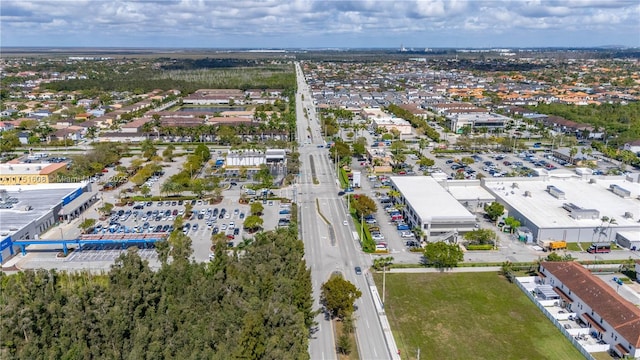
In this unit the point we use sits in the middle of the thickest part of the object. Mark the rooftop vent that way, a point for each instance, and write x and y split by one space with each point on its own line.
623 193
628 215
579 213
555 192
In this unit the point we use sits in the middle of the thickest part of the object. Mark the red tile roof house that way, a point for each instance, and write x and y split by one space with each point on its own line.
5 126
615 320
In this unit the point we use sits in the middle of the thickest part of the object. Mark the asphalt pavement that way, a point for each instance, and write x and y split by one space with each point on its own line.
328 253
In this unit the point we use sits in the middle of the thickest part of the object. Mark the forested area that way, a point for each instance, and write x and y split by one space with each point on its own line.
256 305
621 122
186 76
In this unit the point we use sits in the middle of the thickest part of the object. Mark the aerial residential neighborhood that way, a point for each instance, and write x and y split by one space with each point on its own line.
320 180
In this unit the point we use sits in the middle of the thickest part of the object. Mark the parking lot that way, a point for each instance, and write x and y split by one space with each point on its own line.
106 253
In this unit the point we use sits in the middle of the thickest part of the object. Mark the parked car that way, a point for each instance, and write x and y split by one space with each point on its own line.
402 227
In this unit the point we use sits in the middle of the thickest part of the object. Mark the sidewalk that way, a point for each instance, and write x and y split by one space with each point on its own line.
462 269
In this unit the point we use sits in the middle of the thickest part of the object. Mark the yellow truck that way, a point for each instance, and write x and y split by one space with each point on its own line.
558 245
553 245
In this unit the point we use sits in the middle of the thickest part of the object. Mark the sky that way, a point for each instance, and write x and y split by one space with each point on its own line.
319 24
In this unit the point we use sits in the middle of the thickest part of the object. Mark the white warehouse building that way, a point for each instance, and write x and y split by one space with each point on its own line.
432 208
567 207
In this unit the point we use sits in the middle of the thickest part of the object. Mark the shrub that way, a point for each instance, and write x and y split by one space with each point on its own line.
480 247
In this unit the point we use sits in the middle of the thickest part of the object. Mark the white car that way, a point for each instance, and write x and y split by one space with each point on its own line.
232 225
223 227
345 223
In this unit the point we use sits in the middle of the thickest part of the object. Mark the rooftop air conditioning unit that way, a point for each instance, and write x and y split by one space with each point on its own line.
628 215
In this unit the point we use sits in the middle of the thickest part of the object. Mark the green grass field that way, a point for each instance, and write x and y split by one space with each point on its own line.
468 316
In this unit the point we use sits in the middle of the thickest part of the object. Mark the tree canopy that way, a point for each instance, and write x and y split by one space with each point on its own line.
256 306
443 255
364 205
494 210
339 296
480 236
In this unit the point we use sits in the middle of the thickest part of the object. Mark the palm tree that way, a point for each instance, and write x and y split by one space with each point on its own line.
382 262
604 228
419 233
422 144
394 194
572 153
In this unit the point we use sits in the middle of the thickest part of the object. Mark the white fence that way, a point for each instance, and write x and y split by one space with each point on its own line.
584 351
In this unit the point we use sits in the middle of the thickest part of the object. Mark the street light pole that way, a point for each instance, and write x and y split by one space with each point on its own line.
361 226
384 283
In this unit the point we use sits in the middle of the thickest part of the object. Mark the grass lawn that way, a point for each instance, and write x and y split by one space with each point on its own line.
353 354
572 246
468 316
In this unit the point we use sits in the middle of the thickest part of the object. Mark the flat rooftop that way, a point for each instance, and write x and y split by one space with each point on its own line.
467 190
430 200
30 169
546 211
41 198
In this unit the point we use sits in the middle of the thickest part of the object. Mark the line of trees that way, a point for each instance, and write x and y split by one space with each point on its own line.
416 121
256 306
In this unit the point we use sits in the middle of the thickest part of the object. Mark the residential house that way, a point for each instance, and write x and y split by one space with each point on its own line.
633 146
611 318
23 136
5 125
8 112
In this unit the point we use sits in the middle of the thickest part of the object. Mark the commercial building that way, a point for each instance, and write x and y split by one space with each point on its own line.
250 161
611 318
31 173
476 120
215 97
432 208
469 193
402 125
28 211
571 207
382 120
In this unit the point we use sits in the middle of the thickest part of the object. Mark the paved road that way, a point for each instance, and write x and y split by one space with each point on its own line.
325 253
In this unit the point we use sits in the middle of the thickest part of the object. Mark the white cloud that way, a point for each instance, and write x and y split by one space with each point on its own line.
270 20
